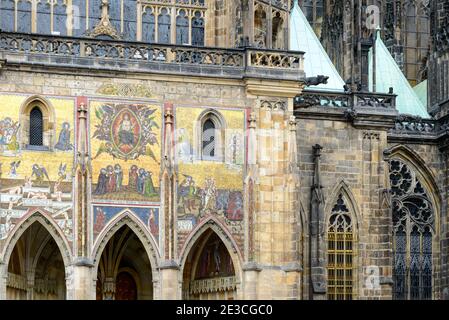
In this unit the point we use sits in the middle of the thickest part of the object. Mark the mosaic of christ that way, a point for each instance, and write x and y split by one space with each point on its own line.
126 131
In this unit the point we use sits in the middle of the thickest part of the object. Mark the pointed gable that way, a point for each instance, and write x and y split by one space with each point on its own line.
421 92
316 60
388 74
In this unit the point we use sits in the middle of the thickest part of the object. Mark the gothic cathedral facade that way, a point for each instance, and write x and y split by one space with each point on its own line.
168 149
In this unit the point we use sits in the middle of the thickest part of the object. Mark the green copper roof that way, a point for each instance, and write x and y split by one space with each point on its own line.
316 60
421 92
388 74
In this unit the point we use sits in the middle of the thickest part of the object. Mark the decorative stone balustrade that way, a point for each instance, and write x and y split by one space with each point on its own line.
357 100
416 126
113 54
213 285
45 286
16 281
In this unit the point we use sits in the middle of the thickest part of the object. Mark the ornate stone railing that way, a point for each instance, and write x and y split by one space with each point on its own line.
274 59
316 98
415 125
281 4
16 281
87 52
45 286
213 285
323 99
183 3
374 100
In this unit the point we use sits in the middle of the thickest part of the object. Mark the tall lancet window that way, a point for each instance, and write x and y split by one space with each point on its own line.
260 27
149 26
413 229
209 139
182 28
36 127
198 29
164 26
340 253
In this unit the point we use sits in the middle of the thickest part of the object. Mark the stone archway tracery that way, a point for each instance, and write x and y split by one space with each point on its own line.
210 265
37 258
123 239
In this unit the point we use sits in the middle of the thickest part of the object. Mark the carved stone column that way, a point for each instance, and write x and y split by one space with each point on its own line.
169 269
3 279
317 223
80 285
250 268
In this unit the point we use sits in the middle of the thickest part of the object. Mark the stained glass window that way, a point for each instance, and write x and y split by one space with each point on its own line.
208 138
36 127
182 28
164 26
340 253
148 26
197 30
413 223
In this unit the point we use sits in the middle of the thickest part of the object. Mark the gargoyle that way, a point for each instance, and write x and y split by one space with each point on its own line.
315 81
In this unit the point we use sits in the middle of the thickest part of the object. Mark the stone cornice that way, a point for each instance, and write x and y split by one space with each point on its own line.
273 88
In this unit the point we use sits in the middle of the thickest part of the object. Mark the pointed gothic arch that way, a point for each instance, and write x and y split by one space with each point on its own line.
415 214
210 133
210 232
419 165
48 126
48 223
44 254
342 187
127 228
342 227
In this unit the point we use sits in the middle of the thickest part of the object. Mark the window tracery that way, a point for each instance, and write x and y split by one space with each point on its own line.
413 229
340 237
184 17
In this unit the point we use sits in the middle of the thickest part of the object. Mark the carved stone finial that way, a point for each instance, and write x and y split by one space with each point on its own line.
317 150
292 123
350 114
2 63
82 111
104 27
252 121
168 116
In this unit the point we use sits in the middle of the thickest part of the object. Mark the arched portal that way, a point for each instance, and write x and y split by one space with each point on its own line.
124 270
209 272
36 268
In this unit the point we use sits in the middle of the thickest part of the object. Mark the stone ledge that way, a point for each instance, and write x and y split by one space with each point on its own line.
168 265
83 262
290 267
